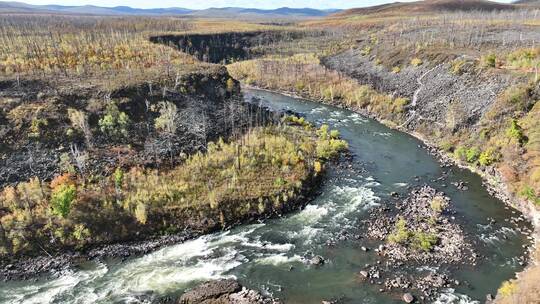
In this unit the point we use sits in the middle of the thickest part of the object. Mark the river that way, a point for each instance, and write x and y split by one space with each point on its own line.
261 255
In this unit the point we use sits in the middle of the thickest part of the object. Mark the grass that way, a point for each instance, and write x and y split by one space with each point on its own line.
304 75
69 46
264 172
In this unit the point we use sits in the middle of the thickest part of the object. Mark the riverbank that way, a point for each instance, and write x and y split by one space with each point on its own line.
280 178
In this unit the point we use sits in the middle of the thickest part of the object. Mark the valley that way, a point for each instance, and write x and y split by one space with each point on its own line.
366 155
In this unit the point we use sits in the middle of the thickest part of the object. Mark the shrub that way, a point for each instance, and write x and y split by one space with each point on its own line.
118 177
328 93
530 194
515 132
65 164
366 50
401 234
317 166
114 123
141 213
507 289
396 70
524 58
399 104
472 155
460 153
416 62
373 39
488 157
424 241
168 118
294 120
330 148
81 232
489 61
334 134
62 197
457 67
438 204
280 181
231 85
447 146
323 131
36 127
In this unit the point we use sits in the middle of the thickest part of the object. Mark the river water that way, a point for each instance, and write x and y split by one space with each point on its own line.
261 255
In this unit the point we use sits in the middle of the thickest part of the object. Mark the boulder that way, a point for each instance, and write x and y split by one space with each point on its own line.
408 298
317 260
210 292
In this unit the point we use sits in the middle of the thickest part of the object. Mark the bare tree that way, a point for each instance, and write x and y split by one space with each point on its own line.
79 158
167 123
79 120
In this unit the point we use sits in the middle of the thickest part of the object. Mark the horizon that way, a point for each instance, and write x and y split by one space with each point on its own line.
257 4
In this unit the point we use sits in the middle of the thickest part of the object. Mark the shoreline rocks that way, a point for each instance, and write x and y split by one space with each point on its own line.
227 291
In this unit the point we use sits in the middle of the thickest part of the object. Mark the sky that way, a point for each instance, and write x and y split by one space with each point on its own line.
202 4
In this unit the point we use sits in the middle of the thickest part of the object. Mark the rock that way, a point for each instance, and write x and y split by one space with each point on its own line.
489 297
317 260
223 292
210 291
364 274
408 298
365 249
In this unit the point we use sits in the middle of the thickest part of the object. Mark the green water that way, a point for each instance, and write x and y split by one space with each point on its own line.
261 255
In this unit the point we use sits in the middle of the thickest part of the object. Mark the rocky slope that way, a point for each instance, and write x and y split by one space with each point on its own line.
435 93
225 47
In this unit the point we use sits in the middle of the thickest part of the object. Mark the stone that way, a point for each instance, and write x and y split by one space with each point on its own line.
364 273
210 290
317 260
408 298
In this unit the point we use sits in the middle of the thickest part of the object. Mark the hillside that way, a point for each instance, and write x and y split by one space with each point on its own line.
428 6
227 12
528 2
